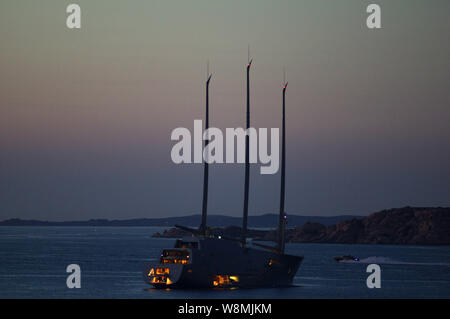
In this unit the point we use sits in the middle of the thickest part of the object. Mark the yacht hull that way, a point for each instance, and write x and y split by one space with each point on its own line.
219 263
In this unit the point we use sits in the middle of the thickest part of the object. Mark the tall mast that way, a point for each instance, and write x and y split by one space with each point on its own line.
205 165
247 159
282 216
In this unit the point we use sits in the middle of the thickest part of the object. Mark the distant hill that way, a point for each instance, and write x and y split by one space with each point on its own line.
261 221
400 226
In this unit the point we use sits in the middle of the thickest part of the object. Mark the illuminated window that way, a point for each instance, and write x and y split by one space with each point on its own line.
162 271
224 280
160 276
175 256
159 280
273 262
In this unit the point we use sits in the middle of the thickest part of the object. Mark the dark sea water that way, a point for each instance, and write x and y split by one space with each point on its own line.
33 263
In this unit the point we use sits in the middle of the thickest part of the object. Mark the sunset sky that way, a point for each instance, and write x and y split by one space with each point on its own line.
86 115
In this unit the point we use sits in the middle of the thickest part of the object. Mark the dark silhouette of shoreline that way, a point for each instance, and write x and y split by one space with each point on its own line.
407 225
398 226
260 221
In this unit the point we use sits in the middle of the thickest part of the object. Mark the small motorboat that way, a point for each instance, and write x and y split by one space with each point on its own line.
346 258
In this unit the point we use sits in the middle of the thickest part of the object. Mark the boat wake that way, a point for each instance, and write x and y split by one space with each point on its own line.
389 261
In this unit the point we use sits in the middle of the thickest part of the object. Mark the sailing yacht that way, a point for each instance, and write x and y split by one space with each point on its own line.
207 261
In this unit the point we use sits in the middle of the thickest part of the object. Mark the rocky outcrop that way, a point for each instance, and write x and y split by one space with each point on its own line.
408 226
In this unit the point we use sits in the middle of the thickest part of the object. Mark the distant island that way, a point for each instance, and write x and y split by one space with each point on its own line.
400 226
260 221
